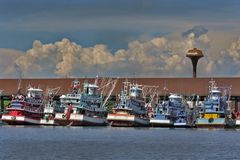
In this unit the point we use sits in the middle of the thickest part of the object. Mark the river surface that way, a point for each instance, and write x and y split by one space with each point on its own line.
104 143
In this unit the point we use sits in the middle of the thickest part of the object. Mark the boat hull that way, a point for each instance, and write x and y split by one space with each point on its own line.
19 120
181 125
161 123
237 123
214 123
47 122
79 120
118 120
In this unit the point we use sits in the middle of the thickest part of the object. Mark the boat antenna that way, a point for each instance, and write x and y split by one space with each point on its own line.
96 80
165 89
212 86
20 75
50 94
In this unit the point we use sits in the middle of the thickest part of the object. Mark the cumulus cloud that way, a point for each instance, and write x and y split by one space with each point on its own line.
66 58
7 59
196 30
49 58
155 57
234 50
224 63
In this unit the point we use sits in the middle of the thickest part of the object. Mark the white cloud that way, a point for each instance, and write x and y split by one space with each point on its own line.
158 56
8 56
234 51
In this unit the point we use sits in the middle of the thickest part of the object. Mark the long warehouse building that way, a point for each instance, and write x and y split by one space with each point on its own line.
185 86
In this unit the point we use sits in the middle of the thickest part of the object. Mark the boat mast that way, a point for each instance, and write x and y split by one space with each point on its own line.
19 72
212 86
165 89
1 109
113 85
150 91
125 87
50 95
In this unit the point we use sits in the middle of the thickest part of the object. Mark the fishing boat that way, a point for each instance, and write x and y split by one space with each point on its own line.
162 116
1 107
130 111
181 113
213 111
49 107
86 108
25 109
237 119
170 113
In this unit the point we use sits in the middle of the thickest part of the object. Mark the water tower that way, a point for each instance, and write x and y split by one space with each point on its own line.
194 54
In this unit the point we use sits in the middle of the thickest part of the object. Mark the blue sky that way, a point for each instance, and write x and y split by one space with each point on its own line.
115 23
110 22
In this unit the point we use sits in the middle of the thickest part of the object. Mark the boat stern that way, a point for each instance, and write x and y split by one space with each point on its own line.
161 122
210 123
125 120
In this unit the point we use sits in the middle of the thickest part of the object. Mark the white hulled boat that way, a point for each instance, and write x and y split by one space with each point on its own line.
86 108
130 111
49 107
170 113
237 120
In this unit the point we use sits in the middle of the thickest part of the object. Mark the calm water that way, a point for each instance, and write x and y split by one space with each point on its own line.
42 143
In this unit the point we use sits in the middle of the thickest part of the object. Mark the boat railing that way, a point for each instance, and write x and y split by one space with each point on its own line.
17 100
27 108
72 95
48 110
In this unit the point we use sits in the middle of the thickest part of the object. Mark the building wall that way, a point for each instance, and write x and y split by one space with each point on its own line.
186 86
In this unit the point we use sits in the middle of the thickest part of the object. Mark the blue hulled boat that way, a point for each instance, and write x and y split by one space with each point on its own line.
213 111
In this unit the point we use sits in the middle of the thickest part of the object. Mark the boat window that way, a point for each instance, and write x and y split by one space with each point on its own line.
208 105
139 92
92 91
87 90
175 99
217 94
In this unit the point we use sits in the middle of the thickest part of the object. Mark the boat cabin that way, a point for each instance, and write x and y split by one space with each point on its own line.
75 87
90 89
215 94
175 100
135 91
34 93
212 104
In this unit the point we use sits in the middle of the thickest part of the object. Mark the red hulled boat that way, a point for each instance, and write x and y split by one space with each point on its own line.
25 109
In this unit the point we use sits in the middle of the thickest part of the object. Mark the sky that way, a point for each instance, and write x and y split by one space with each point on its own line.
127 38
